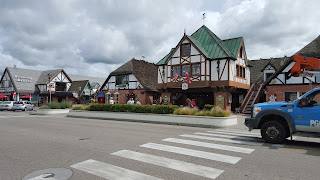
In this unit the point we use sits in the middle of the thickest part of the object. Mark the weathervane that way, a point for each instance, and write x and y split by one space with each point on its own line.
203 17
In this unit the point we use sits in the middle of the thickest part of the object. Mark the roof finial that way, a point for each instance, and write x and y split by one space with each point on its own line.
203 17
184 31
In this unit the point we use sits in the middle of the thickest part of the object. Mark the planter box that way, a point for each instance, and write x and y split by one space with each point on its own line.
203 121
50 111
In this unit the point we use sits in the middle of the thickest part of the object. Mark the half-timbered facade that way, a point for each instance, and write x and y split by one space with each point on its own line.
274 73
17 82
135 79
217 69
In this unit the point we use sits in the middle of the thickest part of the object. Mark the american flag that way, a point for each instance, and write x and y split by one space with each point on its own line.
176 76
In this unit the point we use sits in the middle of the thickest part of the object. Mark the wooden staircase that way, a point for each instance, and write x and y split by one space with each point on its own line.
251 98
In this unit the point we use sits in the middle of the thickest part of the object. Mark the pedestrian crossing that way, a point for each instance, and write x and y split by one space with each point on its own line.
186 145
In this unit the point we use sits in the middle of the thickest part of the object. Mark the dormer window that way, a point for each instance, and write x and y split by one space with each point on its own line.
186 49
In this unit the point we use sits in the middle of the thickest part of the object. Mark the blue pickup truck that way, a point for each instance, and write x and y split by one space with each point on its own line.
279 120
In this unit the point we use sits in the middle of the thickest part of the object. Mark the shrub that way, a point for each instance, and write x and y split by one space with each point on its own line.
225 113
163 109
177 111
208 107
76 108
193 111
65 105
54 105
219 112
185 111
203 113
45 107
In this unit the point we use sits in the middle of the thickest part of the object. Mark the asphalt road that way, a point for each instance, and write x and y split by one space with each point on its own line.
100 149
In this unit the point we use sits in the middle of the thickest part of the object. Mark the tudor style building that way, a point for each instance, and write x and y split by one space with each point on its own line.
217 68
135 79
17 82
270 80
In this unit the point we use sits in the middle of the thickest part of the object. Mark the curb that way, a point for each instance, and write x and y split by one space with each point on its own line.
193 121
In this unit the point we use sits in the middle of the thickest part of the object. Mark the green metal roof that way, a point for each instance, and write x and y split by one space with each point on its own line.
233 45
211 45
163 61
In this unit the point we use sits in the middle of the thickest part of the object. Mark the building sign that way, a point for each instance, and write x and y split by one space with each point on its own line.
184 86
166 100
272 97
52 87
220 101
23 79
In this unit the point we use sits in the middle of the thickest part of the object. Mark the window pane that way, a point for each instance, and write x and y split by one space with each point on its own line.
244 72
123 79
195 69
184 69
237 69
175 69
185 49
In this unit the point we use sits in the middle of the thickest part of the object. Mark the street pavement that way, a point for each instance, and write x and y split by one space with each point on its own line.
102 149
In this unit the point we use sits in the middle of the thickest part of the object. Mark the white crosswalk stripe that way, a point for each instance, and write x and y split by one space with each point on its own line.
231 136
235 133
171 163
194 153
210 145
248 133
109 171
223 140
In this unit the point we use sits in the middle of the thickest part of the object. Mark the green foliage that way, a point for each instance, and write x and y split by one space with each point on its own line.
56 105
219 112
76 108
208 107
45 107
156 109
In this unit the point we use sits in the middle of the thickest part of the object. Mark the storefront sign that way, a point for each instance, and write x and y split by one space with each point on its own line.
52 87
184 86
220 101
272 97
23 79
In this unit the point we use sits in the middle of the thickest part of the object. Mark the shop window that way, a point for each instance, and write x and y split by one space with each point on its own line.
108 97
175 69
116 98
196 69
60 86
185 49
185 68
122 79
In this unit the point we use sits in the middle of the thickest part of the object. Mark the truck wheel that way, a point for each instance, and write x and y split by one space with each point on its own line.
273 132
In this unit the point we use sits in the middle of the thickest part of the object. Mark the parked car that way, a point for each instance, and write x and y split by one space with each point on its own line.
6 105
22 105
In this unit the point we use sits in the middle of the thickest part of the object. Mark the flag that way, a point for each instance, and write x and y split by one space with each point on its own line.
176 76
14 95
188 78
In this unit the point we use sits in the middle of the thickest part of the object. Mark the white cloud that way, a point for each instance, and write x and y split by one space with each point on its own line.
95 37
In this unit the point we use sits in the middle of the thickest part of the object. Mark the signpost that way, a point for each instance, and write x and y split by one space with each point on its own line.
220 101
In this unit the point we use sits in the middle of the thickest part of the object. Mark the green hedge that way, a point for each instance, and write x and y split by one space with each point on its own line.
208 107
56 105
156 109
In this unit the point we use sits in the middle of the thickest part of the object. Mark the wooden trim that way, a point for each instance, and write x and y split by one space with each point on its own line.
223 70
228 69
209 70
160 75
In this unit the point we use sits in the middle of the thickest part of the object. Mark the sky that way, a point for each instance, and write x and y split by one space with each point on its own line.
95 37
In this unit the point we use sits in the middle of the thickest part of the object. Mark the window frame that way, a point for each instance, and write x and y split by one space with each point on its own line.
191 70
182 69
181 49
172 74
